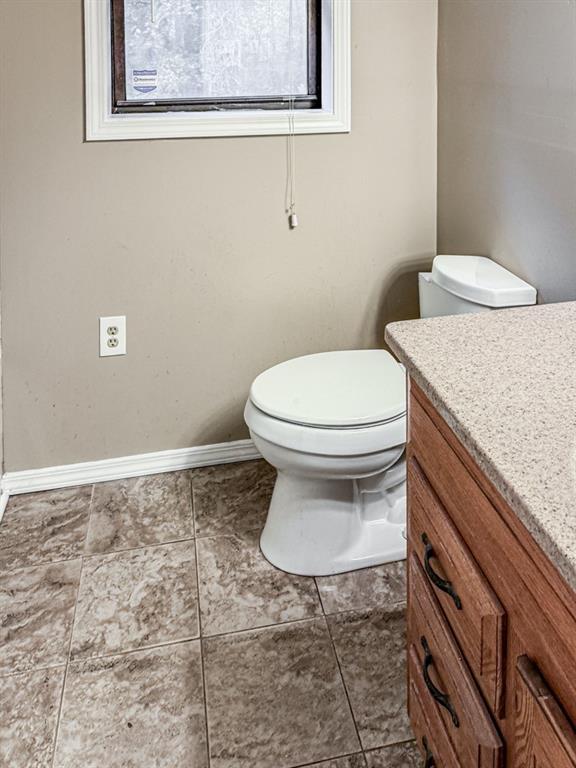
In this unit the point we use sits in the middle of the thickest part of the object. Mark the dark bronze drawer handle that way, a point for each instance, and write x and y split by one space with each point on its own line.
429 761
442 584
442 698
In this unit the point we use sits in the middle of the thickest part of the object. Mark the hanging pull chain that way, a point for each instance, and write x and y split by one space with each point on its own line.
291 208
290 145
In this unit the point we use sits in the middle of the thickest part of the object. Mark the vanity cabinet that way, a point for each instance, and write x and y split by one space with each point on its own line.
491 623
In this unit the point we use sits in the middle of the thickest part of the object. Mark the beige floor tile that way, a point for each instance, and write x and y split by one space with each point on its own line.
396 756
135 599
232 498
139 512
138 709
275 698
29 705
239 589
381 587
371 647
44 527
36 614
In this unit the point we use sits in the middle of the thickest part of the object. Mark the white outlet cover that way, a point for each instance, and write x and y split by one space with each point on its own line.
107 324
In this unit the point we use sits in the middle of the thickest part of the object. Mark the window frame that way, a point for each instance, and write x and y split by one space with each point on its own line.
122 105
333 116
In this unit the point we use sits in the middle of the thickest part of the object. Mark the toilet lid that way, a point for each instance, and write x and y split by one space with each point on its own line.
333 389
481 280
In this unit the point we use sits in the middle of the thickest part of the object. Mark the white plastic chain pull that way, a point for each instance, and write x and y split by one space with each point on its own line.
290 147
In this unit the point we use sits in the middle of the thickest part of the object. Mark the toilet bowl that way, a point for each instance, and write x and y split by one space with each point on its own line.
334 426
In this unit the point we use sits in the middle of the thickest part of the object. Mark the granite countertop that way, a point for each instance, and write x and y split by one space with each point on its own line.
505 382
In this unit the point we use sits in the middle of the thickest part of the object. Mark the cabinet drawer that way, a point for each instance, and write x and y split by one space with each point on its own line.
544 737
452 692
473 610
427 725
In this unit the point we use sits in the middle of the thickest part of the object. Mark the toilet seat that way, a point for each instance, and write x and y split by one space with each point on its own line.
327 442
333 390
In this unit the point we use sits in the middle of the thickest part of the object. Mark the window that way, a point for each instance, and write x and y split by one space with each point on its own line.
176 68
215 54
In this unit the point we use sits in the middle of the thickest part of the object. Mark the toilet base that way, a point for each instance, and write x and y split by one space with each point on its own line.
318 526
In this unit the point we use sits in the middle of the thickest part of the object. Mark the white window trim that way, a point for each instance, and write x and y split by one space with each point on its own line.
102 125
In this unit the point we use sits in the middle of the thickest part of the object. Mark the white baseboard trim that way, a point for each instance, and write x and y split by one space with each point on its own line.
4 496
89 472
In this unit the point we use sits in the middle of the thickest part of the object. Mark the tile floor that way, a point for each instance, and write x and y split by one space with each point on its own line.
141 626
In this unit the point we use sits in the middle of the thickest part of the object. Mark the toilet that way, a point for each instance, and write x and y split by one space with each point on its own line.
333 424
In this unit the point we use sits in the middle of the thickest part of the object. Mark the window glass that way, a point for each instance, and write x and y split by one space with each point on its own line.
210 49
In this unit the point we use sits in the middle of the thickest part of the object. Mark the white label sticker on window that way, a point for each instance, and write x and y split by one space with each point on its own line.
145 80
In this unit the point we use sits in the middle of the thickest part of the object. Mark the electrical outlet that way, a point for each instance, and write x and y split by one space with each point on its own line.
112 336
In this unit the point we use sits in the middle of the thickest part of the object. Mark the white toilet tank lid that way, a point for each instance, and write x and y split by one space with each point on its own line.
333 389
482 281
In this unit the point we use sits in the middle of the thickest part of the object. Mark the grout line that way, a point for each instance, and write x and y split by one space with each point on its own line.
204 694
344 683
89 524
392 744
135 549
206 729
192 506
232 533
31 670
327 760
90 556
264 627
261 627
319 596
90 510
128 651
58 719
43 564
65 677
369 609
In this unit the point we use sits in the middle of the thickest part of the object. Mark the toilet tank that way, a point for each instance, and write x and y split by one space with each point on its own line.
459 285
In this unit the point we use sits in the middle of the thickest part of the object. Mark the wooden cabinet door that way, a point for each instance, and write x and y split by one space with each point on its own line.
543 737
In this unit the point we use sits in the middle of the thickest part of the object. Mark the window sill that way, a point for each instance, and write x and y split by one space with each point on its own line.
202 124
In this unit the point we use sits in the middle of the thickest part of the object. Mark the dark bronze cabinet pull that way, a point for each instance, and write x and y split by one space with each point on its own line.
429 761
442 698
442 584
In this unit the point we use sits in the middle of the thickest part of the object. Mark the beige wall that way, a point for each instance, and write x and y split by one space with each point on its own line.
188 238
507 137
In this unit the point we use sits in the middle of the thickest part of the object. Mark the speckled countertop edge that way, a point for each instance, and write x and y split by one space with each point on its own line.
557 542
